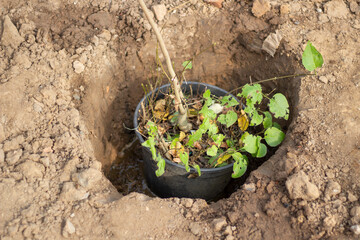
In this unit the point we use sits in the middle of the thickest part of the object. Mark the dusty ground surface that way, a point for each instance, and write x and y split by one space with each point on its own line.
70 75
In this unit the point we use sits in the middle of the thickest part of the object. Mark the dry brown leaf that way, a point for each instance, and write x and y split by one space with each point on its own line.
197 145
243 121
177 160
160 105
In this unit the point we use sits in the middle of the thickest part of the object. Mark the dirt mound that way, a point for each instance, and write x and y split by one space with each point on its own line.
70 78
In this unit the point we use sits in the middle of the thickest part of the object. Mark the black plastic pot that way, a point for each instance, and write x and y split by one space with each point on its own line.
175 182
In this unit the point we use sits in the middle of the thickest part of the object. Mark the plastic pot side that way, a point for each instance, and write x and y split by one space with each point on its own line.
175 182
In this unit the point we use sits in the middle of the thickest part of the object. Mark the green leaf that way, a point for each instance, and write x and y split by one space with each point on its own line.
273 136
279 106
275 124
150 143
194 137
161 166
207 94
230 143
262 149
212 151
240 165
213 129
222 119
197 168
231 118
207 112
250 144
218 138
229 101
187 64
267 120
256 119
311 58
252 92
184 157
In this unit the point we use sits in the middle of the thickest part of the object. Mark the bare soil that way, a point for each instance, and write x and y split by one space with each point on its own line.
70 79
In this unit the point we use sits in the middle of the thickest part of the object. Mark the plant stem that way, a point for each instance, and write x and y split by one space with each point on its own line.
183 123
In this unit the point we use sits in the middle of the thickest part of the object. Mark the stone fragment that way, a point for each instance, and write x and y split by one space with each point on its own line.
70 193
219 223
299 187
260 7
31 169
332 189
355 213
13 156
233 217
159 11
101 20
271 43
323 79
354 7
352 197
249 187
228 231
195 228
68 228
330 222
336 9
78 66
355 229
10 35
14 143
87 178
188 202
216 3
284 9
105 34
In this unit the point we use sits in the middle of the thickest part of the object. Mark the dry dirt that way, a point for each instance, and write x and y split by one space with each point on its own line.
70 75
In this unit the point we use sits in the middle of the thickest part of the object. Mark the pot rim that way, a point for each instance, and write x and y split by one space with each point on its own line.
141 139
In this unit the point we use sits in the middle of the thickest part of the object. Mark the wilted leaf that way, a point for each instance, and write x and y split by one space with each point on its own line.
182 136
177 160
279 106
273 136
197 145
222 159
243 121
192 113
161 115
160 105
311 58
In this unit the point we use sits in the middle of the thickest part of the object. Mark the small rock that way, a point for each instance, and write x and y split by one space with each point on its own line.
233 217
78 67
332 189
219 223
95 40
68 228
299 186
284 9
31 169
37 107
105 35
10 35
2 156
354 7
355 213
271 43
228 230
352 197
13 156
330 222
229 237
45 161
249 187
260 7
336 9
195 228
159 11
70 193
188 202
14 143
323 79
331 78
355 229
216 3
87 178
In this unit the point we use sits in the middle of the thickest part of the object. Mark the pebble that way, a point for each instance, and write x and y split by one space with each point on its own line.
14 143
13 156
10 35
354 7
31 169
228 230
37 107
70 193
355 212
332 188
195 228
159 11
105 35
78 66
352 197
284 9
330 222
323 79
299 187
271 43
188 202
216 3
336 9
249 187
260 7
233 217
219 223
87 178
68 228
355 229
